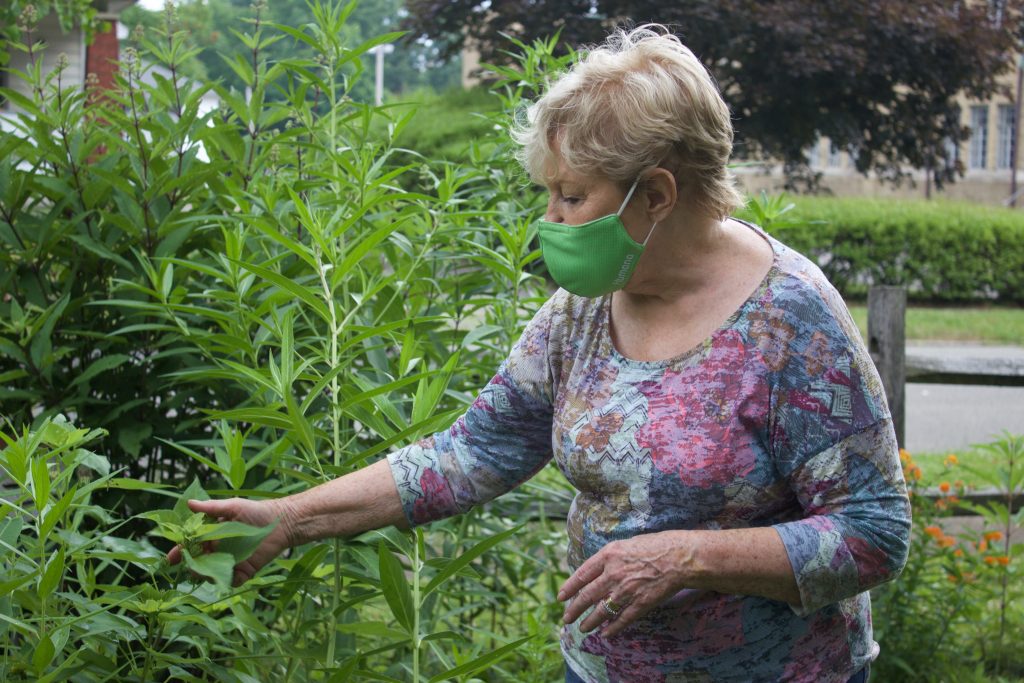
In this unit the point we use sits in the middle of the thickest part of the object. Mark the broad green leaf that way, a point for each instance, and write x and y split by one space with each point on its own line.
130 436
43 654
395 587
481 662
218 567
193 492
237 539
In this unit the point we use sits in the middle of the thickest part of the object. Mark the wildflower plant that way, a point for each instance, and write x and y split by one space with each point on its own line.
961 589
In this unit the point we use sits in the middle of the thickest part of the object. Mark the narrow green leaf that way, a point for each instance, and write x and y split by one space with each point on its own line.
55 512
481 662
290 286
395 587
465 558
40 482
52 574
100 365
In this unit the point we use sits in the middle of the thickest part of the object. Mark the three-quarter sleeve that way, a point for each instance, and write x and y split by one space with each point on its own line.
834 442
503 439
856 534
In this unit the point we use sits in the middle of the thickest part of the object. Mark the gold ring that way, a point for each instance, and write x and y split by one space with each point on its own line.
611 608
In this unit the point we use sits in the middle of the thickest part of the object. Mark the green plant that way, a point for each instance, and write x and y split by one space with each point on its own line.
254 296
960 589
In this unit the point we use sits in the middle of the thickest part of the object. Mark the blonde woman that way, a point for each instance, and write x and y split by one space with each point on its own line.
699 383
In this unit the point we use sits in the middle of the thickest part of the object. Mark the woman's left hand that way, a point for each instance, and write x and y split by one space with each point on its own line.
631 576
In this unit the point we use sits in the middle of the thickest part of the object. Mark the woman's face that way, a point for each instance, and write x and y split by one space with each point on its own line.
574 199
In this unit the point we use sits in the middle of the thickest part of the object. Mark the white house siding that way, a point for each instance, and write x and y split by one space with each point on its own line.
55 43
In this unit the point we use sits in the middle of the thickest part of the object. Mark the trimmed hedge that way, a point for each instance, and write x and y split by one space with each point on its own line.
943 252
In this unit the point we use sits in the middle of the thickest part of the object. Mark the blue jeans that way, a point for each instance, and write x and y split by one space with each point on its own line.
859 677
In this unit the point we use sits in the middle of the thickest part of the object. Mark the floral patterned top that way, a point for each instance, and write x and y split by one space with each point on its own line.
778 418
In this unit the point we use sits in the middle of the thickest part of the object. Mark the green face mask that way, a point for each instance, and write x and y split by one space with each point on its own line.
593 258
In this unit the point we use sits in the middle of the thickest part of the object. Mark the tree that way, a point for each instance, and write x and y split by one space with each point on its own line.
878 77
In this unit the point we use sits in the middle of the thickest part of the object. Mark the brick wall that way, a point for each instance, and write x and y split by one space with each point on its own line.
101 57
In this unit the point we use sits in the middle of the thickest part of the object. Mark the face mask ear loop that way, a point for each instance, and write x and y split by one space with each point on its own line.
649 234
629 195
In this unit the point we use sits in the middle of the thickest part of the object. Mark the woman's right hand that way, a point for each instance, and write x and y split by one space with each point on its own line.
254 513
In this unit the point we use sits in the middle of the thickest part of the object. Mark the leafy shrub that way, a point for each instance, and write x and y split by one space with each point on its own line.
250 296
943 252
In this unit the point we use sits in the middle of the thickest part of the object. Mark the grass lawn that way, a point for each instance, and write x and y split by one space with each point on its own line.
988 325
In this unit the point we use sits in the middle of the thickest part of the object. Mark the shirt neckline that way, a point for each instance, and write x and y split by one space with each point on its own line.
755 295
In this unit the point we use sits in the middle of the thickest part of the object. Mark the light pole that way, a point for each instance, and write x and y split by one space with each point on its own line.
1015 140
380 51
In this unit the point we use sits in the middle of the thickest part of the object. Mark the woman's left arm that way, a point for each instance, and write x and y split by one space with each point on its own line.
854 535
642 572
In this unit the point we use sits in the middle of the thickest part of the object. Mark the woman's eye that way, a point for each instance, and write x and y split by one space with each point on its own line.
571 200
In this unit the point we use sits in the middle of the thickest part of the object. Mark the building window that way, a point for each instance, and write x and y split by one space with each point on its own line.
1004 141
835 156
979 137
813 154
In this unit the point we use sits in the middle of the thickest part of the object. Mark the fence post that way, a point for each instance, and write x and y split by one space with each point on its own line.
887 307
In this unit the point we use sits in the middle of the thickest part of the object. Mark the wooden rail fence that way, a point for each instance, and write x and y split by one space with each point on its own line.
887 344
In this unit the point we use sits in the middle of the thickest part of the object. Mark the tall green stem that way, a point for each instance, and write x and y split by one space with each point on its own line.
416 567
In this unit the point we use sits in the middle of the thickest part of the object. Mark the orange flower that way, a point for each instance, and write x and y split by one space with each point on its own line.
915 472
1003 560
991 561
953 500
904 455
933 531
982 546
947 542
951 459
940 504
993 535
944 487
958 552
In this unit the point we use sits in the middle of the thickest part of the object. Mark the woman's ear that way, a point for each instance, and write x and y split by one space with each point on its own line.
660 194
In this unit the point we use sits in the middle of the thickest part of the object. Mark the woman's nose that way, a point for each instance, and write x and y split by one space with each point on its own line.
551 215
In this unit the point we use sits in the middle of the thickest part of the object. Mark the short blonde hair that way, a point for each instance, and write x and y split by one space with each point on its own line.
640 100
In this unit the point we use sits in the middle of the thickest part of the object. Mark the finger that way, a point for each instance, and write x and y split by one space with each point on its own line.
587 597
216 508
588 571
628 616
595 618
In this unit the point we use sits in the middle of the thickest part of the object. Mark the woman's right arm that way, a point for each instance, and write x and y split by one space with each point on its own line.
349 505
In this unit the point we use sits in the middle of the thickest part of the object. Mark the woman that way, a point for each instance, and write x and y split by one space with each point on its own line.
702 385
